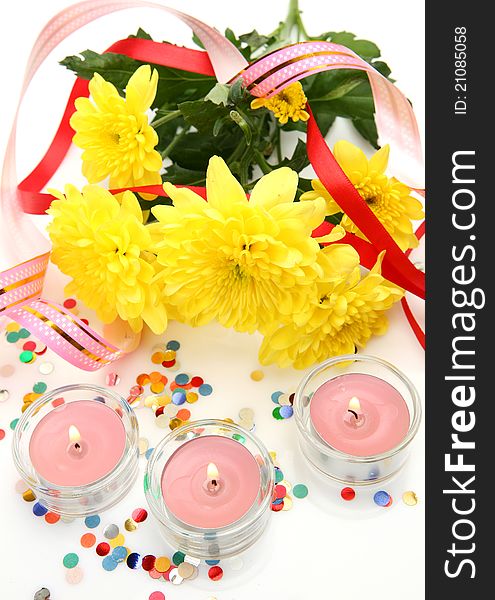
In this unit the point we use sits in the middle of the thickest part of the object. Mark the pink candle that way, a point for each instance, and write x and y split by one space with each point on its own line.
77 443
210 482
359 414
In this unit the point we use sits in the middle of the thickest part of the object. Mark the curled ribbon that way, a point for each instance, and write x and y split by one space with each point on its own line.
20 286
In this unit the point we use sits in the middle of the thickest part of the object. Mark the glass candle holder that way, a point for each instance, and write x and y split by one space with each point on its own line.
201 537
340 377
60 483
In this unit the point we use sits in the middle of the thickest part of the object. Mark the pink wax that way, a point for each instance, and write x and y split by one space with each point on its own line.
102 439
384 415
185 474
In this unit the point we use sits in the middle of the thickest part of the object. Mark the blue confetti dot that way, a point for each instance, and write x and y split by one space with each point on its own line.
381 498
275 396
23 333
173 345
133 560
109 563
205 389
278 501
119 553
12 337
99 399
286 411
179 398
92 521
39 510
148 452
182 379
212 563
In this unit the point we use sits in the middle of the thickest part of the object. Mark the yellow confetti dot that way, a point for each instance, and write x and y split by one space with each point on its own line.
158 357
174 423
257 375
227 420
28 496
287 503
117 541
157 387
162 564
169 355
191 397
164 400
410 498
273 455
143 445
12 327
150 401
130 525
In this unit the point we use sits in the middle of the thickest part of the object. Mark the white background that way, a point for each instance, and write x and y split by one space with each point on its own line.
322 548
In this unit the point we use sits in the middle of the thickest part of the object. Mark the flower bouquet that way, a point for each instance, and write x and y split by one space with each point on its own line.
194 212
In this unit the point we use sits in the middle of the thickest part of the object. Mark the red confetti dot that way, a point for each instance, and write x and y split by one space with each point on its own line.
280 491
159 411
166 575
52 518
29 346
88 540
148 562
168 363
348 493
2 434
139 515
183 414
277 507
154 574
389 503
157 596
102 549
57 402
69 303
196 381
85 321
215 573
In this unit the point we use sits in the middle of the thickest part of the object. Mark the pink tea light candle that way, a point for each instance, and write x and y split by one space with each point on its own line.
356 417
76 447
210 484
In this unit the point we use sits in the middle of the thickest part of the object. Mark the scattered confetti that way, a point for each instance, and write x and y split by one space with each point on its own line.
92 521
257 375
26 357
148 562
51 518
300 490
88 540
2 434
205 389
156 596
70 303
284 402
42 594
173 345
103 549
236 563
119 553
348 493
186 570
215 573
286 412
13 424
29 496
139 515
21 486
109 563
162 564
39 510
410 498
382 498
133 560
119 540
148 453
46 368
111 531
74 576
143 445
130 525
71 560
178 558
4 395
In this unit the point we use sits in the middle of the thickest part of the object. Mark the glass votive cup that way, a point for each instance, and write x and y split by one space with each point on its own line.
341 466
78 500
210 543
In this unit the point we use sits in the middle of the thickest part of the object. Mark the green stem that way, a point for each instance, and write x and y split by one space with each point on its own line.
166 118
166 151
277 143
263 164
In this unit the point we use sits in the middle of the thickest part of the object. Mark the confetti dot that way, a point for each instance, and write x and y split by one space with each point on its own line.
42 594
275 396
184 414
157 596
21 486
280 491
2 434
111 531
70 303
178 558
130 525
257 375
71 560
174 423
179 397
29 496
119 553
382 498
300 490
186 570
154 574
191 397
133 560
162 421
13 424
58 402
236 563
40 387
109 563
139 515
39 510
205 389
148 562
88 540
103 549
276 507
26 356
287 503
348 493
119 540
149 452
4 395
157 357
286 411
46 368
23 333
143 445
92 521
12 337
410 498
279 475
162 564
215 573
173 345
276 413
74 576
182 379
51 518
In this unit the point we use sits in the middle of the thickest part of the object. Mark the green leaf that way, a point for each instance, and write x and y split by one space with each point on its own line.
141 35
178 175
367 128
219 94
195 150
364 48
202 114
254 40
303 185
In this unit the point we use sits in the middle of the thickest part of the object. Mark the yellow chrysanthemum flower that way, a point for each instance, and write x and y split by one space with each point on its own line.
287 104
388 198
347 310
105 248
242 262
114 132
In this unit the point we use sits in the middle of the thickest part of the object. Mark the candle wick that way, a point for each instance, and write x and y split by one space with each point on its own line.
353 412
214 482
77 446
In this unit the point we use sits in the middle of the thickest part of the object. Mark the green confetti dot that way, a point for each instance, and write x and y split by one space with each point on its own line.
276 413
300 490
279 475
26 356
71 560
23 333
40 387
239 438
12 337
13 424
146 482
178 558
